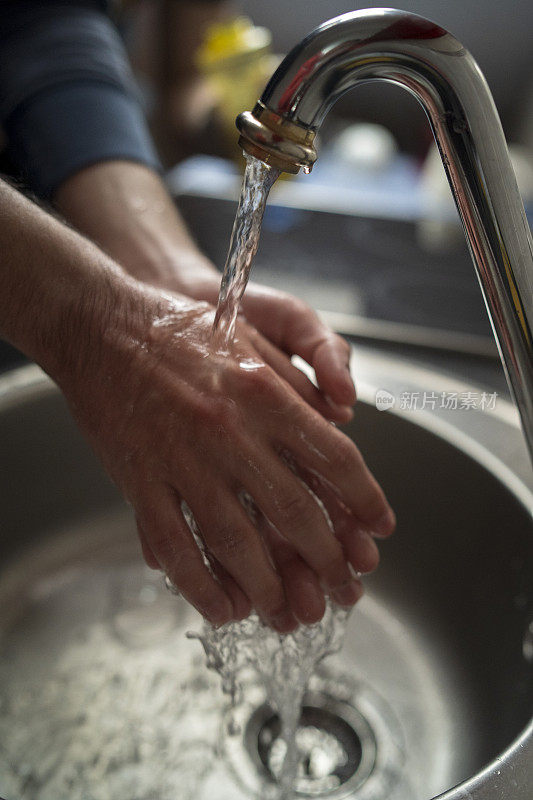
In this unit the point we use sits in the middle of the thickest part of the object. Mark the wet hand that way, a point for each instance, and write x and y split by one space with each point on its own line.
126 209
175 422
288 327
295 329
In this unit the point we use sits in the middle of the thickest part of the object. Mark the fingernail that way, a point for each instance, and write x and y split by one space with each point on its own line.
348 380
339 408
311 607
368 555
284 622
346 412
385 524
348 594
220 616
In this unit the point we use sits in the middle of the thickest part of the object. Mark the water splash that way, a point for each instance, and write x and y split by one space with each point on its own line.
283 663
258 180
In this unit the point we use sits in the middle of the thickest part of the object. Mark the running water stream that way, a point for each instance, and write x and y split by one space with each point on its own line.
283 663
258 180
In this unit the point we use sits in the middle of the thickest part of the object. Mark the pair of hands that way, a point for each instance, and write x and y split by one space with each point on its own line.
173 421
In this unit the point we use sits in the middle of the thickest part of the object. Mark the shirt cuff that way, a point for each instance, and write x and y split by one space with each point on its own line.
63 129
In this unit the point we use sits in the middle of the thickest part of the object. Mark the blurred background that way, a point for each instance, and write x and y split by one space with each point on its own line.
371 238
168 41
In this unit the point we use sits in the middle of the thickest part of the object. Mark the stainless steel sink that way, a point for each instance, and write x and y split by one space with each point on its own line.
101 694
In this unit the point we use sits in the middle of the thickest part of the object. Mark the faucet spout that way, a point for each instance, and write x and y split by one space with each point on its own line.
408 50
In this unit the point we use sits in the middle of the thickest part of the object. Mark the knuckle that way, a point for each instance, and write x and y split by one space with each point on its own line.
218 412
163 546
229 541
226 414
295 509
177 559
258 383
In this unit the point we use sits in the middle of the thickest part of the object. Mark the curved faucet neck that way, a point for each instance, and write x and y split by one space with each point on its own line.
405 49
347 50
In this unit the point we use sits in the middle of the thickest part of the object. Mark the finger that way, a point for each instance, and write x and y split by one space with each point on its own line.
237 546
323 449
302 587
282 365
294 512
296 329
241 603
148 555
171 542
329 356
359 547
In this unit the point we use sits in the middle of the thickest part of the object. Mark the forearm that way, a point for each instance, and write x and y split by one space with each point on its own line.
51 282
126 209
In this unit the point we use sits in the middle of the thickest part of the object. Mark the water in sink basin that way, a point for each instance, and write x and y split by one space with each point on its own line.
283 666
119 703
102 696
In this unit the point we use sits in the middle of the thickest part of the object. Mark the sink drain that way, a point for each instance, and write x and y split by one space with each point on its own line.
337 749
349 741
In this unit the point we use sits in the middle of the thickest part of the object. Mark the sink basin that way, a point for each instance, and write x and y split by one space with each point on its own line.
101 694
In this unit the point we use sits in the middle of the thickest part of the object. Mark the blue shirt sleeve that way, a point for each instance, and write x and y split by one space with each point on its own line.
67 96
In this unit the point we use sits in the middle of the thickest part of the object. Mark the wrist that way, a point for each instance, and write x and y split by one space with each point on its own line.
89 305
126 209
171 267
57 290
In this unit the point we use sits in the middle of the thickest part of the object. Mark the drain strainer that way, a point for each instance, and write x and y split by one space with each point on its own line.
349 741
337 749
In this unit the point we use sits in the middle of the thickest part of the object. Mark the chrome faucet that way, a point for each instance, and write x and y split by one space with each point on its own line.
402 48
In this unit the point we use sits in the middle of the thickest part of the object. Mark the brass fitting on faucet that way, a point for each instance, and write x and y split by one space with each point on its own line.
275 140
